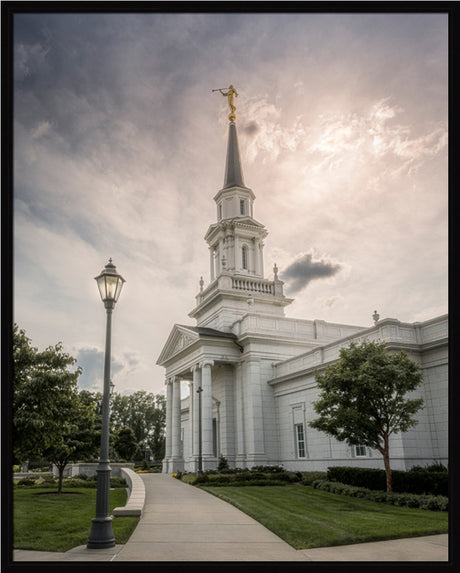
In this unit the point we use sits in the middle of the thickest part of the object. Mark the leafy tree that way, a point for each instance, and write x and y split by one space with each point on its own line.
125 443
363 397
44 392
79 437
145 413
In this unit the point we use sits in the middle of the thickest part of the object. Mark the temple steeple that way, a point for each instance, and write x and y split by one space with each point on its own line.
233 169
236 248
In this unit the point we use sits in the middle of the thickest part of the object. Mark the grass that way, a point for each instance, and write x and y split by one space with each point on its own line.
45 522
305 517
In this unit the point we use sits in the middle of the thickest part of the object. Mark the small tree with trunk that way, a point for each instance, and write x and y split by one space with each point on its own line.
363 397
79 437
125 443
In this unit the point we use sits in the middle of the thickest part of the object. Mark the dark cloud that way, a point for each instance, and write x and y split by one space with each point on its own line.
251 128
91 361
304 270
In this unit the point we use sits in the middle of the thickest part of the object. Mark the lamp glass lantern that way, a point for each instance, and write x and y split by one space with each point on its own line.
109 283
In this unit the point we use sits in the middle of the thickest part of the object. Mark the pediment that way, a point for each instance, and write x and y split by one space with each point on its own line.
235 222
179 339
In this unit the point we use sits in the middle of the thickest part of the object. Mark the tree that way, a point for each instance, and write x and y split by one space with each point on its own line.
79 437
125 443
145 413
44 390
363 397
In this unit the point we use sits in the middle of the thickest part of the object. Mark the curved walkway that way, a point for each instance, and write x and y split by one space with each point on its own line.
184 523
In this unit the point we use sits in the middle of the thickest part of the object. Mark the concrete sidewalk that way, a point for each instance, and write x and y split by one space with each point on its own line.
184 523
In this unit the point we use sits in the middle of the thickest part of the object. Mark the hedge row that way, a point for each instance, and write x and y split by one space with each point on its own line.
240 483
245 478
415 481
430 502
115 482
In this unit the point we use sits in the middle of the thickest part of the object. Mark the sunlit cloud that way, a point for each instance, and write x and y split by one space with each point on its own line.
267 136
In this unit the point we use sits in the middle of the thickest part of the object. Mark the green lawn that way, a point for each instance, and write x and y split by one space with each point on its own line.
307 518
46 522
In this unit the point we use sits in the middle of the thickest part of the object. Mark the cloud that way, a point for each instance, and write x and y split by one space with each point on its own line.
304 270
269 136
91 361
373 138
329 301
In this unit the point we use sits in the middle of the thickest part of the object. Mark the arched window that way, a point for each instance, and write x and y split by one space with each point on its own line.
244 257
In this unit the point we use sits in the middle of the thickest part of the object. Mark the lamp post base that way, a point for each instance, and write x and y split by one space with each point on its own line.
101 535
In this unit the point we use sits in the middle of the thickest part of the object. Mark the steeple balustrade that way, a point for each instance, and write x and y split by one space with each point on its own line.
253 285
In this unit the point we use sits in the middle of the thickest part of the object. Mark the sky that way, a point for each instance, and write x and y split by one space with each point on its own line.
119 149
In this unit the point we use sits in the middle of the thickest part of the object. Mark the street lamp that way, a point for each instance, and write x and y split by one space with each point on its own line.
101 535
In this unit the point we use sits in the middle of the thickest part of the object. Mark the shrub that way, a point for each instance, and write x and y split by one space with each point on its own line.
307 478
268 469
118 482
417 480
436 467
145 465
429 502
222 466
26 481
190 478
75 482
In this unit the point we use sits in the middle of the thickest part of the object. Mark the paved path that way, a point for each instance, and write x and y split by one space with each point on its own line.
184 523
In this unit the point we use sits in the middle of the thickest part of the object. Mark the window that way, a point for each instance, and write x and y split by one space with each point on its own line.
360 451
241 206
300 440
220 211
244 257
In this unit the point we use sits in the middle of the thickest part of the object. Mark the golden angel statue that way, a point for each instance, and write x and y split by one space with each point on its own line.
230 93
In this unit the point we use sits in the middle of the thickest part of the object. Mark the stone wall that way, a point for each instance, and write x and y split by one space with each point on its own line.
89 469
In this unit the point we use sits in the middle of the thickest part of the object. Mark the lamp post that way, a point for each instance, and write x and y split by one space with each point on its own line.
101 535
200 453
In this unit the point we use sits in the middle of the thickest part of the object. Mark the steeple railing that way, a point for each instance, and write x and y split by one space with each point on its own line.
253 285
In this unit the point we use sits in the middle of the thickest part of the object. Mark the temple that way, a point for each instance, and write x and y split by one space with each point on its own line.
252 369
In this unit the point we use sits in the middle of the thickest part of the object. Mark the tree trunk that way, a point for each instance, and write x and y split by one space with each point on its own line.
61 475
386 461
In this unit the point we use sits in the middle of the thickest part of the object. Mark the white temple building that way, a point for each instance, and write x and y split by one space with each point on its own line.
255 367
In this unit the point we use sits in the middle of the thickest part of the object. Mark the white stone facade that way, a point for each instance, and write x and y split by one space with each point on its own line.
255 368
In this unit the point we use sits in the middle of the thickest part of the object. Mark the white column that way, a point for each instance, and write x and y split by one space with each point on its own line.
254 423
239 415
217 428
211 263
169 390
261 257
175 431
206 414
196 414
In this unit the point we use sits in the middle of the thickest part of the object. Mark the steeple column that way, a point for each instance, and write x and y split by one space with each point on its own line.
212 272
261 257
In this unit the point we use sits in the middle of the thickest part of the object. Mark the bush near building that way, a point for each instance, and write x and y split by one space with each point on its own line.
417 480
429 502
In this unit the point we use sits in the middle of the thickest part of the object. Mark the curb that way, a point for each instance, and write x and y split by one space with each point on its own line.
136 501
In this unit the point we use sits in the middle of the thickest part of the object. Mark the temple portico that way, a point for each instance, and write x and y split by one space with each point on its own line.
182 455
